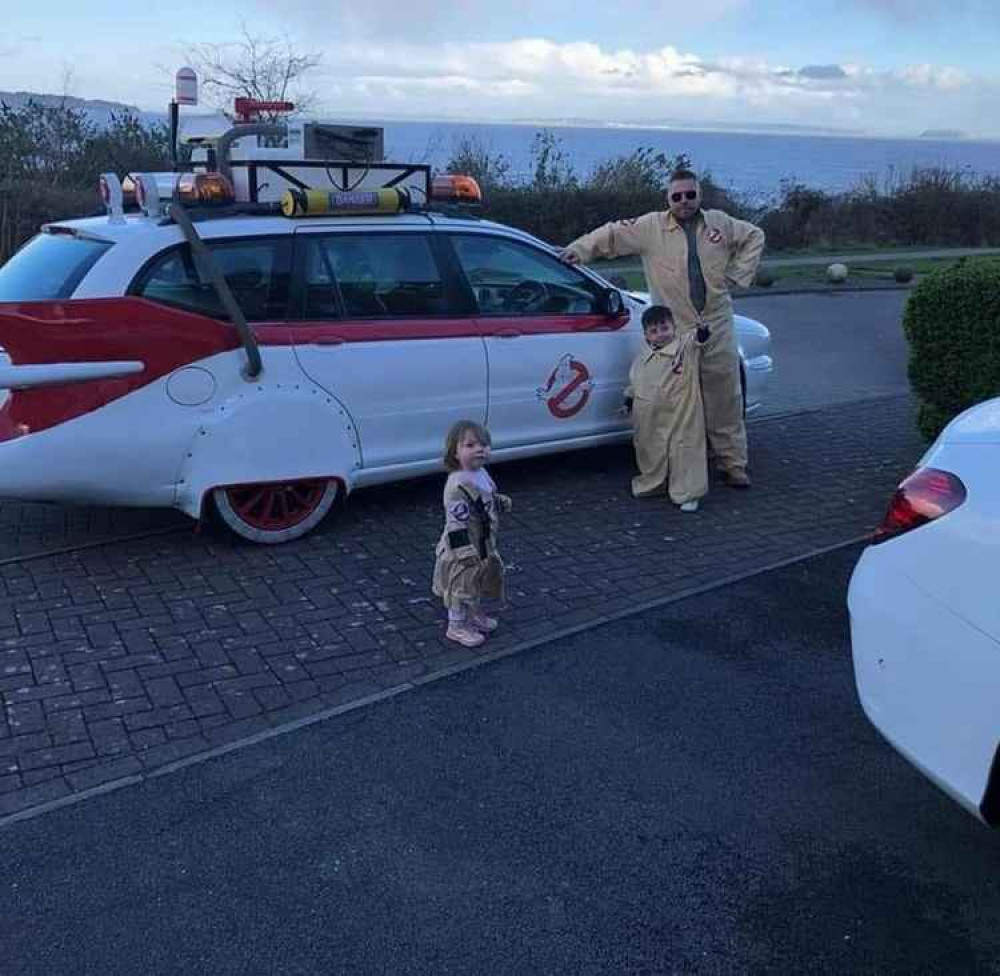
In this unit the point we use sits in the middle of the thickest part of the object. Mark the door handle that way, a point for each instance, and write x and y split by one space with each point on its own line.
506 334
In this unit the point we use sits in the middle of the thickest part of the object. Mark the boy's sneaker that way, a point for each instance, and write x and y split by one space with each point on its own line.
464 635
736 479
482 623
691 506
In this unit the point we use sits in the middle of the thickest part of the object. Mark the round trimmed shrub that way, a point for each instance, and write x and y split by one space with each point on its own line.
836 273
952 323
764 278
903 274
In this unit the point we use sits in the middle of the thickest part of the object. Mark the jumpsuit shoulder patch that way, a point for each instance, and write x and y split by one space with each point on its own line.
459 511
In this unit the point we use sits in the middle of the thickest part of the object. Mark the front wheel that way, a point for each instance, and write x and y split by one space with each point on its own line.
275 511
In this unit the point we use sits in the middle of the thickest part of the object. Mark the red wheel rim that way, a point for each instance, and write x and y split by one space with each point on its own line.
278 505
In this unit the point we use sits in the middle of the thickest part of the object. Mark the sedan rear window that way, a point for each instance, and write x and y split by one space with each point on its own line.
256 269
49 266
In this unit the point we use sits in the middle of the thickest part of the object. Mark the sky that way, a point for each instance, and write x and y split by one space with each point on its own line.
884 67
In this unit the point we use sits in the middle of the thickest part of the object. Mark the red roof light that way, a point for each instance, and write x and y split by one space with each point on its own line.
924 496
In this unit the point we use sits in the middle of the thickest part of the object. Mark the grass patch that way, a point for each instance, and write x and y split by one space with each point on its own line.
806 275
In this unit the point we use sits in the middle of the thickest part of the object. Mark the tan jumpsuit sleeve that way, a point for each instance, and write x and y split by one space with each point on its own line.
747 242
617 239
629 393
458 513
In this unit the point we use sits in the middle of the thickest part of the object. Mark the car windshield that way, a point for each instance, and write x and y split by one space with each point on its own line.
48 266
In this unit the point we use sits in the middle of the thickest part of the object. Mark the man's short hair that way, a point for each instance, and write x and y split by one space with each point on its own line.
683 174
656 315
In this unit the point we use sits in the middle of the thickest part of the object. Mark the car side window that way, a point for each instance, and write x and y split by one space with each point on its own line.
510 278
257 270
371 276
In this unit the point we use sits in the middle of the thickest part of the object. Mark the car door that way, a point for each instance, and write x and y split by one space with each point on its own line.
557 363
382 328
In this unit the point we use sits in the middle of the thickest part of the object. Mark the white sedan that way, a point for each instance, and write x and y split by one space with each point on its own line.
349 346
925 615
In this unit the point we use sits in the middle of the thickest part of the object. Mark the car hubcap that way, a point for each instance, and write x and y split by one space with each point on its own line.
277 506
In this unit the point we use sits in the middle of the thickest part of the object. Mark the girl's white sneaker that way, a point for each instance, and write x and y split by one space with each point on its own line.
482 623
691 506
464 635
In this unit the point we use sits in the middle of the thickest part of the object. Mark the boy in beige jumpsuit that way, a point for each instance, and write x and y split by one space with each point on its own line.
691 257
664 397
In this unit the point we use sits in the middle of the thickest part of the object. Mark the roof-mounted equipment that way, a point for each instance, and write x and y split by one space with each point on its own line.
455 188
321 203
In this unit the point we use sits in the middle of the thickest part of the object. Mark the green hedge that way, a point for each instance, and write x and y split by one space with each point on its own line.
952 323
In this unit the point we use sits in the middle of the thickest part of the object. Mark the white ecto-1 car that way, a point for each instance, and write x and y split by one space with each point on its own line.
356 342
925 615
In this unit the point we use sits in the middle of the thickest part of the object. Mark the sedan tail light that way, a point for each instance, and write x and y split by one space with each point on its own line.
924 496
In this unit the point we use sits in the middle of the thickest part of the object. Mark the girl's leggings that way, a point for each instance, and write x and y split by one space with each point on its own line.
461 613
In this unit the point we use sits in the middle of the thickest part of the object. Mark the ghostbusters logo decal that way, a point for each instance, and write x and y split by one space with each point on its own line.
459 511
715 237
567 389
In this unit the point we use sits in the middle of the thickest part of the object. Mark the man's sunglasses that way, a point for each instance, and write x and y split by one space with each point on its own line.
684 195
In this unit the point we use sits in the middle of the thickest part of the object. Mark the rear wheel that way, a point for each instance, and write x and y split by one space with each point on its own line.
276 511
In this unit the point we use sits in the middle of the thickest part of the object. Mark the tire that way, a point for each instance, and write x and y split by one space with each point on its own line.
743 386
277 511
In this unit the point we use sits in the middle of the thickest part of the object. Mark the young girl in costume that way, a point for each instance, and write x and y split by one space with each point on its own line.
668 416
468 568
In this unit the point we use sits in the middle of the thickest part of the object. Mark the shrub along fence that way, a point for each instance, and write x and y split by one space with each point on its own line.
952 323
51 157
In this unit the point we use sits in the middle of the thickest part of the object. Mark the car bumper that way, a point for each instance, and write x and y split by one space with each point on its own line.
758 374
926 678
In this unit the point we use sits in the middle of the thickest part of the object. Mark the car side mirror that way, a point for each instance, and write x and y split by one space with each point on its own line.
612 304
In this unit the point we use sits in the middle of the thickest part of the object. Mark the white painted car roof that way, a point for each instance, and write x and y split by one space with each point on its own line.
146 238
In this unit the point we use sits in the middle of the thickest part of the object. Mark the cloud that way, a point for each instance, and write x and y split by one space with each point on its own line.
822 71
935 76
583 70
537 77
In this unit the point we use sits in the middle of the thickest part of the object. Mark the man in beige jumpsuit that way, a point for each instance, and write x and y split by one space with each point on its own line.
691 258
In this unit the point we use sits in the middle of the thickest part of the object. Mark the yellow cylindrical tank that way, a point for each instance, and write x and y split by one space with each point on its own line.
325 203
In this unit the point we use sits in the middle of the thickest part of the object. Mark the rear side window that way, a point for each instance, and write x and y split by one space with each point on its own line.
49 266
257 271
371 276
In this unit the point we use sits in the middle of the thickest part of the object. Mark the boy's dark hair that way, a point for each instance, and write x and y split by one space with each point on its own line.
656 315
455 435
683 173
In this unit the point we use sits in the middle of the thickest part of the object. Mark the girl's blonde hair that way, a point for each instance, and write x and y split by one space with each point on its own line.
455 435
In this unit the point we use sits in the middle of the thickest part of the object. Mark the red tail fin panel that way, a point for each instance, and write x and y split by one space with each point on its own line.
93 331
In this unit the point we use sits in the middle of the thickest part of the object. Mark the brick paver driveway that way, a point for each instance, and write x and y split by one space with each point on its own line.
117 660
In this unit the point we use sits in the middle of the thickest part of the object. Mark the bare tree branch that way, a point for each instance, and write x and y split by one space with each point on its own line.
262 68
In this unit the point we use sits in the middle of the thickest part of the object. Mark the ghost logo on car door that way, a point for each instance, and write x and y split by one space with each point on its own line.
567 389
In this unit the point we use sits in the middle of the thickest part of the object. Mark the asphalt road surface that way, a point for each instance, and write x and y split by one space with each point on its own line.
692 790
832 347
